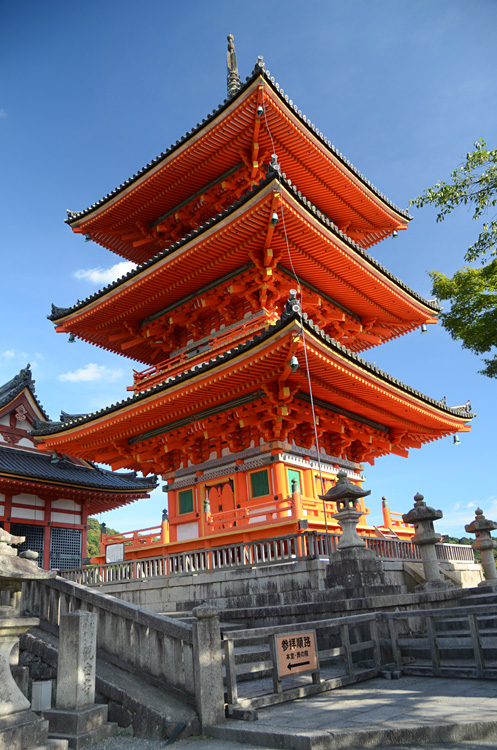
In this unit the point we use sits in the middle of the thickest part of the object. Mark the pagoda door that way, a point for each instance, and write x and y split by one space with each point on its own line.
222 499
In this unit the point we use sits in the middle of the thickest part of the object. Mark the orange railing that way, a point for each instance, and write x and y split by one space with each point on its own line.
134 539
173 365
253 515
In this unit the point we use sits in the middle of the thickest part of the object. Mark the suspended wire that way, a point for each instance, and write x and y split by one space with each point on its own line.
302 332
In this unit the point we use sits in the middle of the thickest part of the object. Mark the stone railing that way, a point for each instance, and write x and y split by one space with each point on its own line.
307 545
171 653
357 647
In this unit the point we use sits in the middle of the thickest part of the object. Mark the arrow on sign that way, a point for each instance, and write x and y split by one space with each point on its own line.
300 664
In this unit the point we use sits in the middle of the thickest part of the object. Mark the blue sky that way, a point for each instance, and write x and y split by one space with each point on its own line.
93 91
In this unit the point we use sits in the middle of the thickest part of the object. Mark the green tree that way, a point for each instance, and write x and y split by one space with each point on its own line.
93 537
471 291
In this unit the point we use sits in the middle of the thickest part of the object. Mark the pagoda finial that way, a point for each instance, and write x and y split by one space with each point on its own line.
233 75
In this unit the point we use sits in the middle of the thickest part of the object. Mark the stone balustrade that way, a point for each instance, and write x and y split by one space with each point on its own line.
307 545
138 640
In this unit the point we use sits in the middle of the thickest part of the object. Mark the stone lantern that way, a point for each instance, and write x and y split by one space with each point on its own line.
422 518
346 495
481 528
354 571
19 726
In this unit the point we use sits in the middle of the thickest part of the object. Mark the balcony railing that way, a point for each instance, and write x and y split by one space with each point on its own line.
307 545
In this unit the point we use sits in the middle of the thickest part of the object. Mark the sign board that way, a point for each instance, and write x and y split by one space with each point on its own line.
114 553
295 653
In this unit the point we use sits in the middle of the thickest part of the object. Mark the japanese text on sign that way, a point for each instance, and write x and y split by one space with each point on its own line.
296 653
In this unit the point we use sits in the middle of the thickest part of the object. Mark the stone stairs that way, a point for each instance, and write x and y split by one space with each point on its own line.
133 702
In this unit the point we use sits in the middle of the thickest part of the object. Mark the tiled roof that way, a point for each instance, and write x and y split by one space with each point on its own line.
272 174
61 470
289 315
11 389
259 70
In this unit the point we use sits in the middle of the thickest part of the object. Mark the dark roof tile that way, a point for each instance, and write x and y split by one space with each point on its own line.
41 466
74 215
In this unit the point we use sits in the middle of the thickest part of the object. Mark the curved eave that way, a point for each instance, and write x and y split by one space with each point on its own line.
354 278
84 489
340 377
214 146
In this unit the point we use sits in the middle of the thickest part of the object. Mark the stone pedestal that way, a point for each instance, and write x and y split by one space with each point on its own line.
20 728
357 573
422 518
481 527
76 718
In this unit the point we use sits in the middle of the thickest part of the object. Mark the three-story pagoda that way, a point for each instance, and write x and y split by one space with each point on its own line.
253 297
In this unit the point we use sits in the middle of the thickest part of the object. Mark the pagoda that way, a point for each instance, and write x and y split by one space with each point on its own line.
45 496
253 298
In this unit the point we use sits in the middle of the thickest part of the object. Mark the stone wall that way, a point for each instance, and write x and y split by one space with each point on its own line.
275 585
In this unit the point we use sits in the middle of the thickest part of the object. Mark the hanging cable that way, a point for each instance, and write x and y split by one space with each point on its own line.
302 332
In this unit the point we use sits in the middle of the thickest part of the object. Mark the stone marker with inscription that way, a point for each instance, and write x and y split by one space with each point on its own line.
76 717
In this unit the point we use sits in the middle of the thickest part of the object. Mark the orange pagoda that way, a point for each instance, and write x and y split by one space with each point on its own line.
253 298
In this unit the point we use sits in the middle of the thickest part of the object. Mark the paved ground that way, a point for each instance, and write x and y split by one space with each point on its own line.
412 712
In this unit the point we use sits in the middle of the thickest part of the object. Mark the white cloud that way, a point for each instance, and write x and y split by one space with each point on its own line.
90 373
9 354
105 275
3 113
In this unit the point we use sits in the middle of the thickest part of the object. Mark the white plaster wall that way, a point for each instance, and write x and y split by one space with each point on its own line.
33 514
66 517
62 504
25 499
187 531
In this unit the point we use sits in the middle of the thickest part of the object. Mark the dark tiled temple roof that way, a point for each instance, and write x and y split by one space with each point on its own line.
289 315
259 70
272 174
11 389
44 467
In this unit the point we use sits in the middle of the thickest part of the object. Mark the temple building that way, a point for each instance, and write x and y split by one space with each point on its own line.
253 299
45 496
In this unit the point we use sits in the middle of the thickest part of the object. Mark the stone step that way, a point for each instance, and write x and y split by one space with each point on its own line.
79 721
133 702
52 745
22 731
76 741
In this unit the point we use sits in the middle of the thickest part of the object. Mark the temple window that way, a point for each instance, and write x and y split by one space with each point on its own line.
259 481
186 501
293 474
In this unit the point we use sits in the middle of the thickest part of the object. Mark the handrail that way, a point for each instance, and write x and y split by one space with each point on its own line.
306 545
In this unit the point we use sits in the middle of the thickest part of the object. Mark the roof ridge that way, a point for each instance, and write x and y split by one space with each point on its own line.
14 386
259 69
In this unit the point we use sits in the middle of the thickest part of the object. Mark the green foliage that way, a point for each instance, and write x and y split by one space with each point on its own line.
93 538
472 292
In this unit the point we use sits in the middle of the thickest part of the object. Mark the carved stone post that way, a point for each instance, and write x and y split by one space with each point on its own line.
207 666
481 528
76 717
422 518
